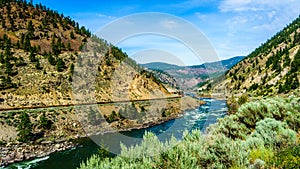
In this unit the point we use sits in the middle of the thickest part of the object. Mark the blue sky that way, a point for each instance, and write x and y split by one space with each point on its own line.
234 27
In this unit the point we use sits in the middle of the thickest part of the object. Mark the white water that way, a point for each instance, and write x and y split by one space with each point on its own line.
28 164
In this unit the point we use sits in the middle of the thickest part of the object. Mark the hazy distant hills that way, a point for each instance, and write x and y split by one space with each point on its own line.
228 63
188 77
161 66
273 68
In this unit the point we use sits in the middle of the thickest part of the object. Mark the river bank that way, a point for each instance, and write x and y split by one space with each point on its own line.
198 118
13 151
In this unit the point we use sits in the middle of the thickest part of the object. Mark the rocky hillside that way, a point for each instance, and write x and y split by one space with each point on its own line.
48 63
42 52
273 68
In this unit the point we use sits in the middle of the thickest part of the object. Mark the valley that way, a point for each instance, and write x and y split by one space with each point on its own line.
191 77
69 99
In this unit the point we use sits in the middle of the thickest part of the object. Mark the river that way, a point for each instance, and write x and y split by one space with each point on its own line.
199 118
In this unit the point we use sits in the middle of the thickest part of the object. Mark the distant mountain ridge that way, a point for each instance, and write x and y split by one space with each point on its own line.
228 63
188 77
160 66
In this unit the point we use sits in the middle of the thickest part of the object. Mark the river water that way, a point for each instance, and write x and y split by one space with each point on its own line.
199 118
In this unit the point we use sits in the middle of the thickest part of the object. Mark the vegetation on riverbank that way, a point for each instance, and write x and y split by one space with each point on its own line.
53 129
261 134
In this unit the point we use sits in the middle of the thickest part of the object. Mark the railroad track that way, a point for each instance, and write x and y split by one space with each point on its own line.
87 104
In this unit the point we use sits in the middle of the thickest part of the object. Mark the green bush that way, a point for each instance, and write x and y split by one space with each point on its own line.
243 99
274 133
287 158
262 153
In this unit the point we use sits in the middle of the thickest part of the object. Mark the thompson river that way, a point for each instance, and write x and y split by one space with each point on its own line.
199 118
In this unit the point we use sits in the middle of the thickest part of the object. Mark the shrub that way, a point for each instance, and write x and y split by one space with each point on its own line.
262 153
287 158
112 117
274 133
243 99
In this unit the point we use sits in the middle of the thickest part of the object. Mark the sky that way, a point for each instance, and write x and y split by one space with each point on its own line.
233 27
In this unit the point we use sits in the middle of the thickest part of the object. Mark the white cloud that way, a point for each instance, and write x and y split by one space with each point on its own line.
105 16
262 15
271 14
200 16
256 5
238 20
236 5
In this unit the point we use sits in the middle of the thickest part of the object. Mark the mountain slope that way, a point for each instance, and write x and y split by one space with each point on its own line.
273 68
40 51
52 72
49 67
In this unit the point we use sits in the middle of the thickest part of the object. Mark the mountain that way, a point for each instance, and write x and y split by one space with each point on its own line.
48 64
272 68
160 66
188 77
42 50
227 64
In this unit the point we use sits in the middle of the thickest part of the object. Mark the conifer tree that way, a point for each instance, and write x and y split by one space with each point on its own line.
24 128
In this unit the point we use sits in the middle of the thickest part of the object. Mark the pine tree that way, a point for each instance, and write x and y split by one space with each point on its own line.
280 89
38 65
295 82
72 36
24 128
32 56
27 45
60 65
8 67
45 123
1 58
72 68
69 48
30 29
51 60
